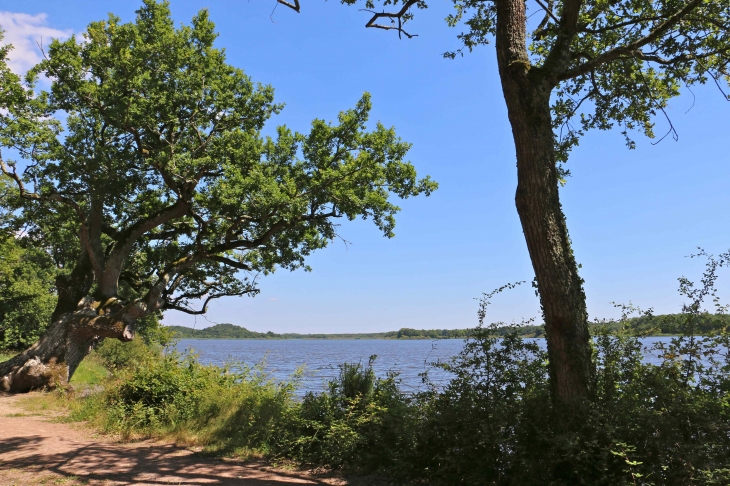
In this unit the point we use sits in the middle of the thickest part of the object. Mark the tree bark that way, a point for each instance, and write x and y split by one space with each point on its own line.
53 360
527 94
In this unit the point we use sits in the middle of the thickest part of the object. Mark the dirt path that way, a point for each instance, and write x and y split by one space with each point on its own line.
35 450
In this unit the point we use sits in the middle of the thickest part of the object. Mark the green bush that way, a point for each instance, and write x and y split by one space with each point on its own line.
648 424
117 355
228 409
359 423
27 292
492 424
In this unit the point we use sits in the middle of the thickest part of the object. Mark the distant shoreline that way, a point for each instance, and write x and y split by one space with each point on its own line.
231 331
664 325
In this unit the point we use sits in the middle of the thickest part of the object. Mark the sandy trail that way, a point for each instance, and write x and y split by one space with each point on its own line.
35 450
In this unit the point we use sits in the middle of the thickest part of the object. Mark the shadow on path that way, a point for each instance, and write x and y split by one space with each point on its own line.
31 448
140 464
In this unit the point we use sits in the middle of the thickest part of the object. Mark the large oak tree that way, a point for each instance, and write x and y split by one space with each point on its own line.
145 174
579 65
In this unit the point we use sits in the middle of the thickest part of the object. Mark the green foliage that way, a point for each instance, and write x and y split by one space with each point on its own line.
407 333
703 323
117 355
480 419
361 423
645 325
231 331
492 423
229 409
26 292
220 331
495 424
162 154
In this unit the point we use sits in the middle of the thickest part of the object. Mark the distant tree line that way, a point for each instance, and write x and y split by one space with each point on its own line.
647 325
703 323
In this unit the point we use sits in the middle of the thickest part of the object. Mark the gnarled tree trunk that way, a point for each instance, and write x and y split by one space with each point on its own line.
54 358
527 94
77 323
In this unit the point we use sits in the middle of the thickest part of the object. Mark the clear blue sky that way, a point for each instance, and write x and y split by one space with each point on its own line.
633 216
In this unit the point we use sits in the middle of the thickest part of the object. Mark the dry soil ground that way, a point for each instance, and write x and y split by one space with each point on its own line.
35 449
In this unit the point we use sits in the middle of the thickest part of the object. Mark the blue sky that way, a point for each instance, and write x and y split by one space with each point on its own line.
633 216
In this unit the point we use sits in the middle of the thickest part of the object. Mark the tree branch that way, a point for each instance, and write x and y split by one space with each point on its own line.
229 262
109 281
294 6
630 50
559 56
392 15
204 309
626 23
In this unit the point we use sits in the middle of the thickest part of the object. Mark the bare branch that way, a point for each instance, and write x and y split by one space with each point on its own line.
392 15
204 309
294 6
619 25
548 13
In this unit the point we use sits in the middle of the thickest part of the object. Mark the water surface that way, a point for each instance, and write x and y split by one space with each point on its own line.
320 358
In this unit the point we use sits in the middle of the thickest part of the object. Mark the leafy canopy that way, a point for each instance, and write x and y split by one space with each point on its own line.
148 150
26 293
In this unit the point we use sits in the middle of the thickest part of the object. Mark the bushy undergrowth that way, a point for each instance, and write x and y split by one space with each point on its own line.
664 421
493 423
361 422
227 409
647 424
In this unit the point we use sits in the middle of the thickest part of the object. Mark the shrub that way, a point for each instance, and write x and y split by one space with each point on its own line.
359 423
27 293
228 409
117 355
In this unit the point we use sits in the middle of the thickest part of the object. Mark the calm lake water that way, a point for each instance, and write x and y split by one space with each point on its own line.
319 358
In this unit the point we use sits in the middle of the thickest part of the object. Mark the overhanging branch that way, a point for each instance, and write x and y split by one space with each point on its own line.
204 309
229 262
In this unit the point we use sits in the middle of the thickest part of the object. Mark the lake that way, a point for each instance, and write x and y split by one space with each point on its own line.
319 358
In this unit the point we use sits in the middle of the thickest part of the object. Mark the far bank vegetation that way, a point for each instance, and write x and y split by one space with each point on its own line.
646 325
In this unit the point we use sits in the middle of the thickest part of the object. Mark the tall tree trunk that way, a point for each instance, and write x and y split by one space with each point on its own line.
527 94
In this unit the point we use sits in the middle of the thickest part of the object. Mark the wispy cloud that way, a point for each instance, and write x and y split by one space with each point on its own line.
26 32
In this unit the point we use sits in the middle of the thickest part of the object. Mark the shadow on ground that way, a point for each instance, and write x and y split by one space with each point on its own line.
127 464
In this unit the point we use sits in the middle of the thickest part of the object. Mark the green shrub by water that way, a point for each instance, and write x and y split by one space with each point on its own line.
361 423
